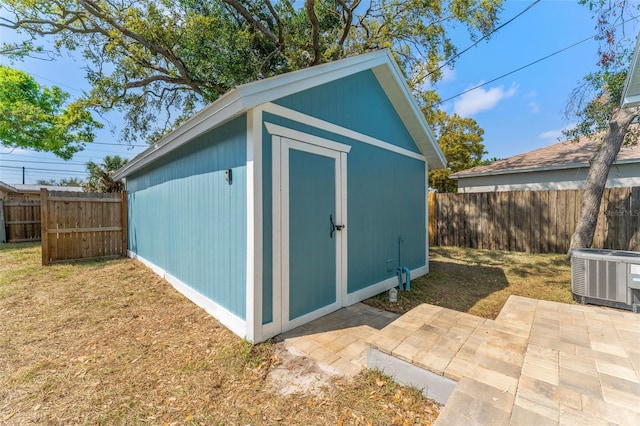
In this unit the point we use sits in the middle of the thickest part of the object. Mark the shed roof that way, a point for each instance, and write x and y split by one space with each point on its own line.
561 155
247 96
631 92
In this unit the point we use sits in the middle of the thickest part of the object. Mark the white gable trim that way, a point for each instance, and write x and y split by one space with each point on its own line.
334 128
631 91
248 96
277 130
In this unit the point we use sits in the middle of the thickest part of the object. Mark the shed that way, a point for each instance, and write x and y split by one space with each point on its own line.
563 165
290 197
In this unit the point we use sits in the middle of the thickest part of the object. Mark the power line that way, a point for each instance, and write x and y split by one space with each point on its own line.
524 66
42 170
499 27
44 162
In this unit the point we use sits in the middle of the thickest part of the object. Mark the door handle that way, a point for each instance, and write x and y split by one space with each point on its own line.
334 227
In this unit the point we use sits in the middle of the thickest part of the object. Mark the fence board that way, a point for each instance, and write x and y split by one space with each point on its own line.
20 220
82 226
532 221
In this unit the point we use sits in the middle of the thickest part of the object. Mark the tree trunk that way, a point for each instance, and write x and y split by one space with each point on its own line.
597 177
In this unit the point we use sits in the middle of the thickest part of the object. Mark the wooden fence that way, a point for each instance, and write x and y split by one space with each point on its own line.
19 220
531 221
80 225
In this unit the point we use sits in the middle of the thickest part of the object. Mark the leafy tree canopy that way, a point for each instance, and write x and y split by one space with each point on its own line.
101 175
460 140
32 116
73 181
160 60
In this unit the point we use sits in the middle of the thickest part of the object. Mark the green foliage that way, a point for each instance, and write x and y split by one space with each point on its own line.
35 117
160 60
594 101
72 181
460 140
101 175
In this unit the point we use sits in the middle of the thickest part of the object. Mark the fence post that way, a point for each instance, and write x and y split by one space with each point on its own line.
3 231
44 225
431 204
123 222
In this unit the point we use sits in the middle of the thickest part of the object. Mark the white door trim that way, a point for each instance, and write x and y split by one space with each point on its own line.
280 210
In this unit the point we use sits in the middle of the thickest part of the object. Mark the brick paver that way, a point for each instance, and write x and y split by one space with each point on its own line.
538 363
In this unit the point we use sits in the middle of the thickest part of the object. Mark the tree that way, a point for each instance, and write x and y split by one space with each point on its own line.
596 103
461 142
101 175
160 60
35 117
73 181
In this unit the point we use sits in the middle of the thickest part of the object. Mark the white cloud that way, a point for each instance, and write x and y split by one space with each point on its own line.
551 134
448 74
481 100
556 134
534 107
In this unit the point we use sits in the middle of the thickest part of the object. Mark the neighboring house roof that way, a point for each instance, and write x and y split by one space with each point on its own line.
33 189
247 96
562 155
7 187
631 92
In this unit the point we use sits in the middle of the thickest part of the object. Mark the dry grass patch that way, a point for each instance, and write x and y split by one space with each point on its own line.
108 342
479 282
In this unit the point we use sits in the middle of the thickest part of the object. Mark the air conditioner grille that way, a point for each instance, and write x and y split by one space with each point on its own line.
578 276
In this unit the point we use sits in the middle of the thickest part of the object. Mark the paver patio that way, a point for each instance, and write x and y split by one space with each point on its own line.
538 363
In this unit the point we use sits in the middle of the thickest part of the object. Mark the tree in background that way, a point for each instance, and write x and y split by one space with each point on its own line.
159 61
461 142
73 181
101 175
597 105
35 117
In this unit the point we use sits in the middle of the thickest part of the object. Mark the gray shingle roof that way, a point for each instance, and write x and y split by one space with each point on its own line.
561 155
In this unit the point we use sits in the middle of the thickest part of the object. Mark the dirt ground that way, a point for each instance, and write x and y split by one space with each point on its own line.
109 342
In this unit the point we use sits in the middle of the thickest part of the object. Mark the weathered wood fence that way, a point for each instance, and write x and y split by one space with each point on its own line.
19 220
531 221
81 225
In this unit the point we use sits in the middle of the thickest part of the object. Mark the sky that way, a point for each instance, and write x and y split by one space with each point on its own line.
520 112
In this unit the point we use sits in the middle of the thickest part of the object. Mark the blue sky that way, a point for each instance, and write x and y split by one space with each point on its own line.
520 112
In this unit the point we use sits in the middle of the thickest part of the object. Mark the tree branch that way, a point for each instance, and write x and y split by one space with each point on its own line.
278 23
315 30
253 21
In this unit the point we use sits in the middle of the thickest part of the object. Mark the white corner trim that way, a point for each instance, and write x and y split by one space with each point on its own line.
277 130
334 128
254 225
234 323
374 289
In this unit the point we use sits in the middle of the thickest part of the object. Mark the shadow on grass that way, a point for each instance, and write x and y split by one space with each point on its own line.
449 285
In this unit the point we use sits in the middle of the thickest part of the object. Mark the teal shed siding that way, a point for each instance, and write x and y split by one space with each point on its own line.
385 190
188 220
356 102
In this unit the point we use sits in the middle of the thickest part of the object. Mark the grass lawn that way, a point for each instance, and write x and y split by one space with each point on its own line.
109 342
479 282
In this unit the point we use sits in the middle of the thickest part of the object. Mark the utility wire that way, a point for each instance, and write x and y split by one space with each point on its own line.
42 170
65 163
499 27
524 66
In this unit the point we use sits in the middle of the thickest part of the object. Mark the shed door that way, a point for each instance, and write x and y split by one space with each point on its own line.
308 241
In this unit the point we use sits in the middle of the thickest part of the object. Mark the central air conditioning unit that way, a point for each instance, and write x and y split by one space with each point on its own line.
606 277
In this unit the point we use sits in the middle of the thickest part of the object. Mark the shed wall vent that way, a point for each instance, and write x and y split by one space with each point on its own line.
606 277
